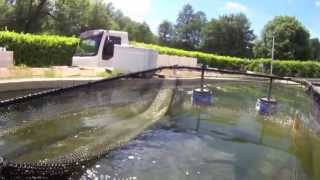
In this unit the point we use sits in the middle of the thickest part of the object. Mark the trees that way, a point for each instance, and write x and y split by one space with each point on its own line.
5 10
137 31
188 28
315 49
141 33
24 15
99 17
70 16
166 33
292 39
229 35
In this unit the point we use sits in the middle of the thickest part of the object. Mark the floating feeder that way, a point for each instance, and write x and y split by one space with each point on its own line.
202 97
266 106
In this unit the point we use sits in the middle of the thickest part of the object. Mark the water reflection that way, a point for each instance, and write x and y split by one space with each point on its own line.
233 141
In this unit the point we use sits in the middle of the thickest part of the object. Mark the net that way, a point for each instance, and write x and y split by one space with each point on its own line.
56 134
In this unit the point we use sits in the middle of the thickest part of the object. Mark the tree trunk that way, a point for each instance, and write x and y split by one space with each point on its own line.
34 17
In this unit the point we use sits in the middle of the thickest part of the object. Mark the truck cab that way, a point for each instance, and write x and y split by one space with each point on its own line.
110 49
96 47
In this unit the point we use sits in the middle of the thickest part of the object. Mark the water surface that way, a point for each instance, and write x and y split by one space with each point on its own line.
233 142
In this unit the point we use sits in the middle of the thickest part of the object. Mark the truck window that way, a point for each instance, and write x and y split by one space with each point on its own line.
89 46
108 49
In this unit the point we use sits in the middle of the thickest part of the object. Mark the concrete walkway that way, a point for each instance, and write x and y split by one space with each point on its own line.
43 83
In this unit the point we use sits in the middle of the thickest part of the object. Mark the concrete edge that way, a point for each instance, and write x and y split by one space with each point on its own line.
42 83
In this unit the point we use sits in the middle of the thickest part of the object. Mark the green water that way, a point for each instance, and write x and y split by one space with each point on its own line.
155 124
88 132
233 141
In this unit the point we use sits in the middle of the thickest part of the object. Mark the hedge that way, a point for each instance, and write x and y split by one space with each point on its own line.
39 50
48 50
292 68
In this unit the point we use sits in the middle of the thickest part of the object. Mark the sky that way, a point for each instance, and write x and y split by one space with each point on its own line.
259 12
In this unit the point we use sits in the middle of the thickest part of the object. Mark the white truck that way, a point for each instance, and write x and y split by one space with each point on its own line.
111 49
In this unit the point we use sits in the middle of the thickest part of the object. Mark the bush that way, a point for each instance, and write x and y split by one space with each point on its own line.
292 68
48 50
39 50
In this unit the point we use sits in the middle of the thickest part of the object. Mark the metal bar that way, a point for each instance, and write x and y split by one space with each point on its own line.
202 77
272 54
270 89
271 69
199 119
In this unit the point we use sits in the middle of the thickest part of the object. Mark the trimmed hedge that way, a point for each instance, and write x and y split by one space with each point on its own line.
39 50
310 69
48 50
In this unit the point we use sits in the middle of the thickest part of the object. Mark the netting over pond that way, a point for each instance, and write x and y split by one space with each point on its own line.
59 134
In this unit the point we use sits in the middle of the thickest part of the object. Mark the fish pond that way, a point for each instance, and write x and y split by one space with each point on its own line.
152 131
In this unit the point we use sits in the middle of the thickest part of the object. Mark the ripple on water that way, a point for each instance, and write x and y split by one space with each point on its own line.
170 154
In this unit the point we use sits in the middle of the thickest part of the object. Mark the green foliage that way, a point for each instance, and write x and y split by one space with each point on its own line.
24 15
229 35
291 39
188 28
140 32
69 16
315 49
39 50
137 31
166 33
99 17
289 68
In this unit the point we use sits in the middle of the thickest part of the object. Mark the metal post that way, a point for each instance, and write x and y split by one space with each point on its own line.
199 119
202 89
271 67
202 77
270 89
272 55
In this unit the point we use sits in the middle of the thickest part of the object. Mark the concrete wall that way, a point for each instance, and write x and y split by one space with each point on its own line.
166 60
30 84
6 58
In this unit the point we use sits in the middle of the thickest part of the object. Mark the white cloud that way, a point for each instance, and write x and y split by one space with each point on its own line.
235 7
135 9
317 3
